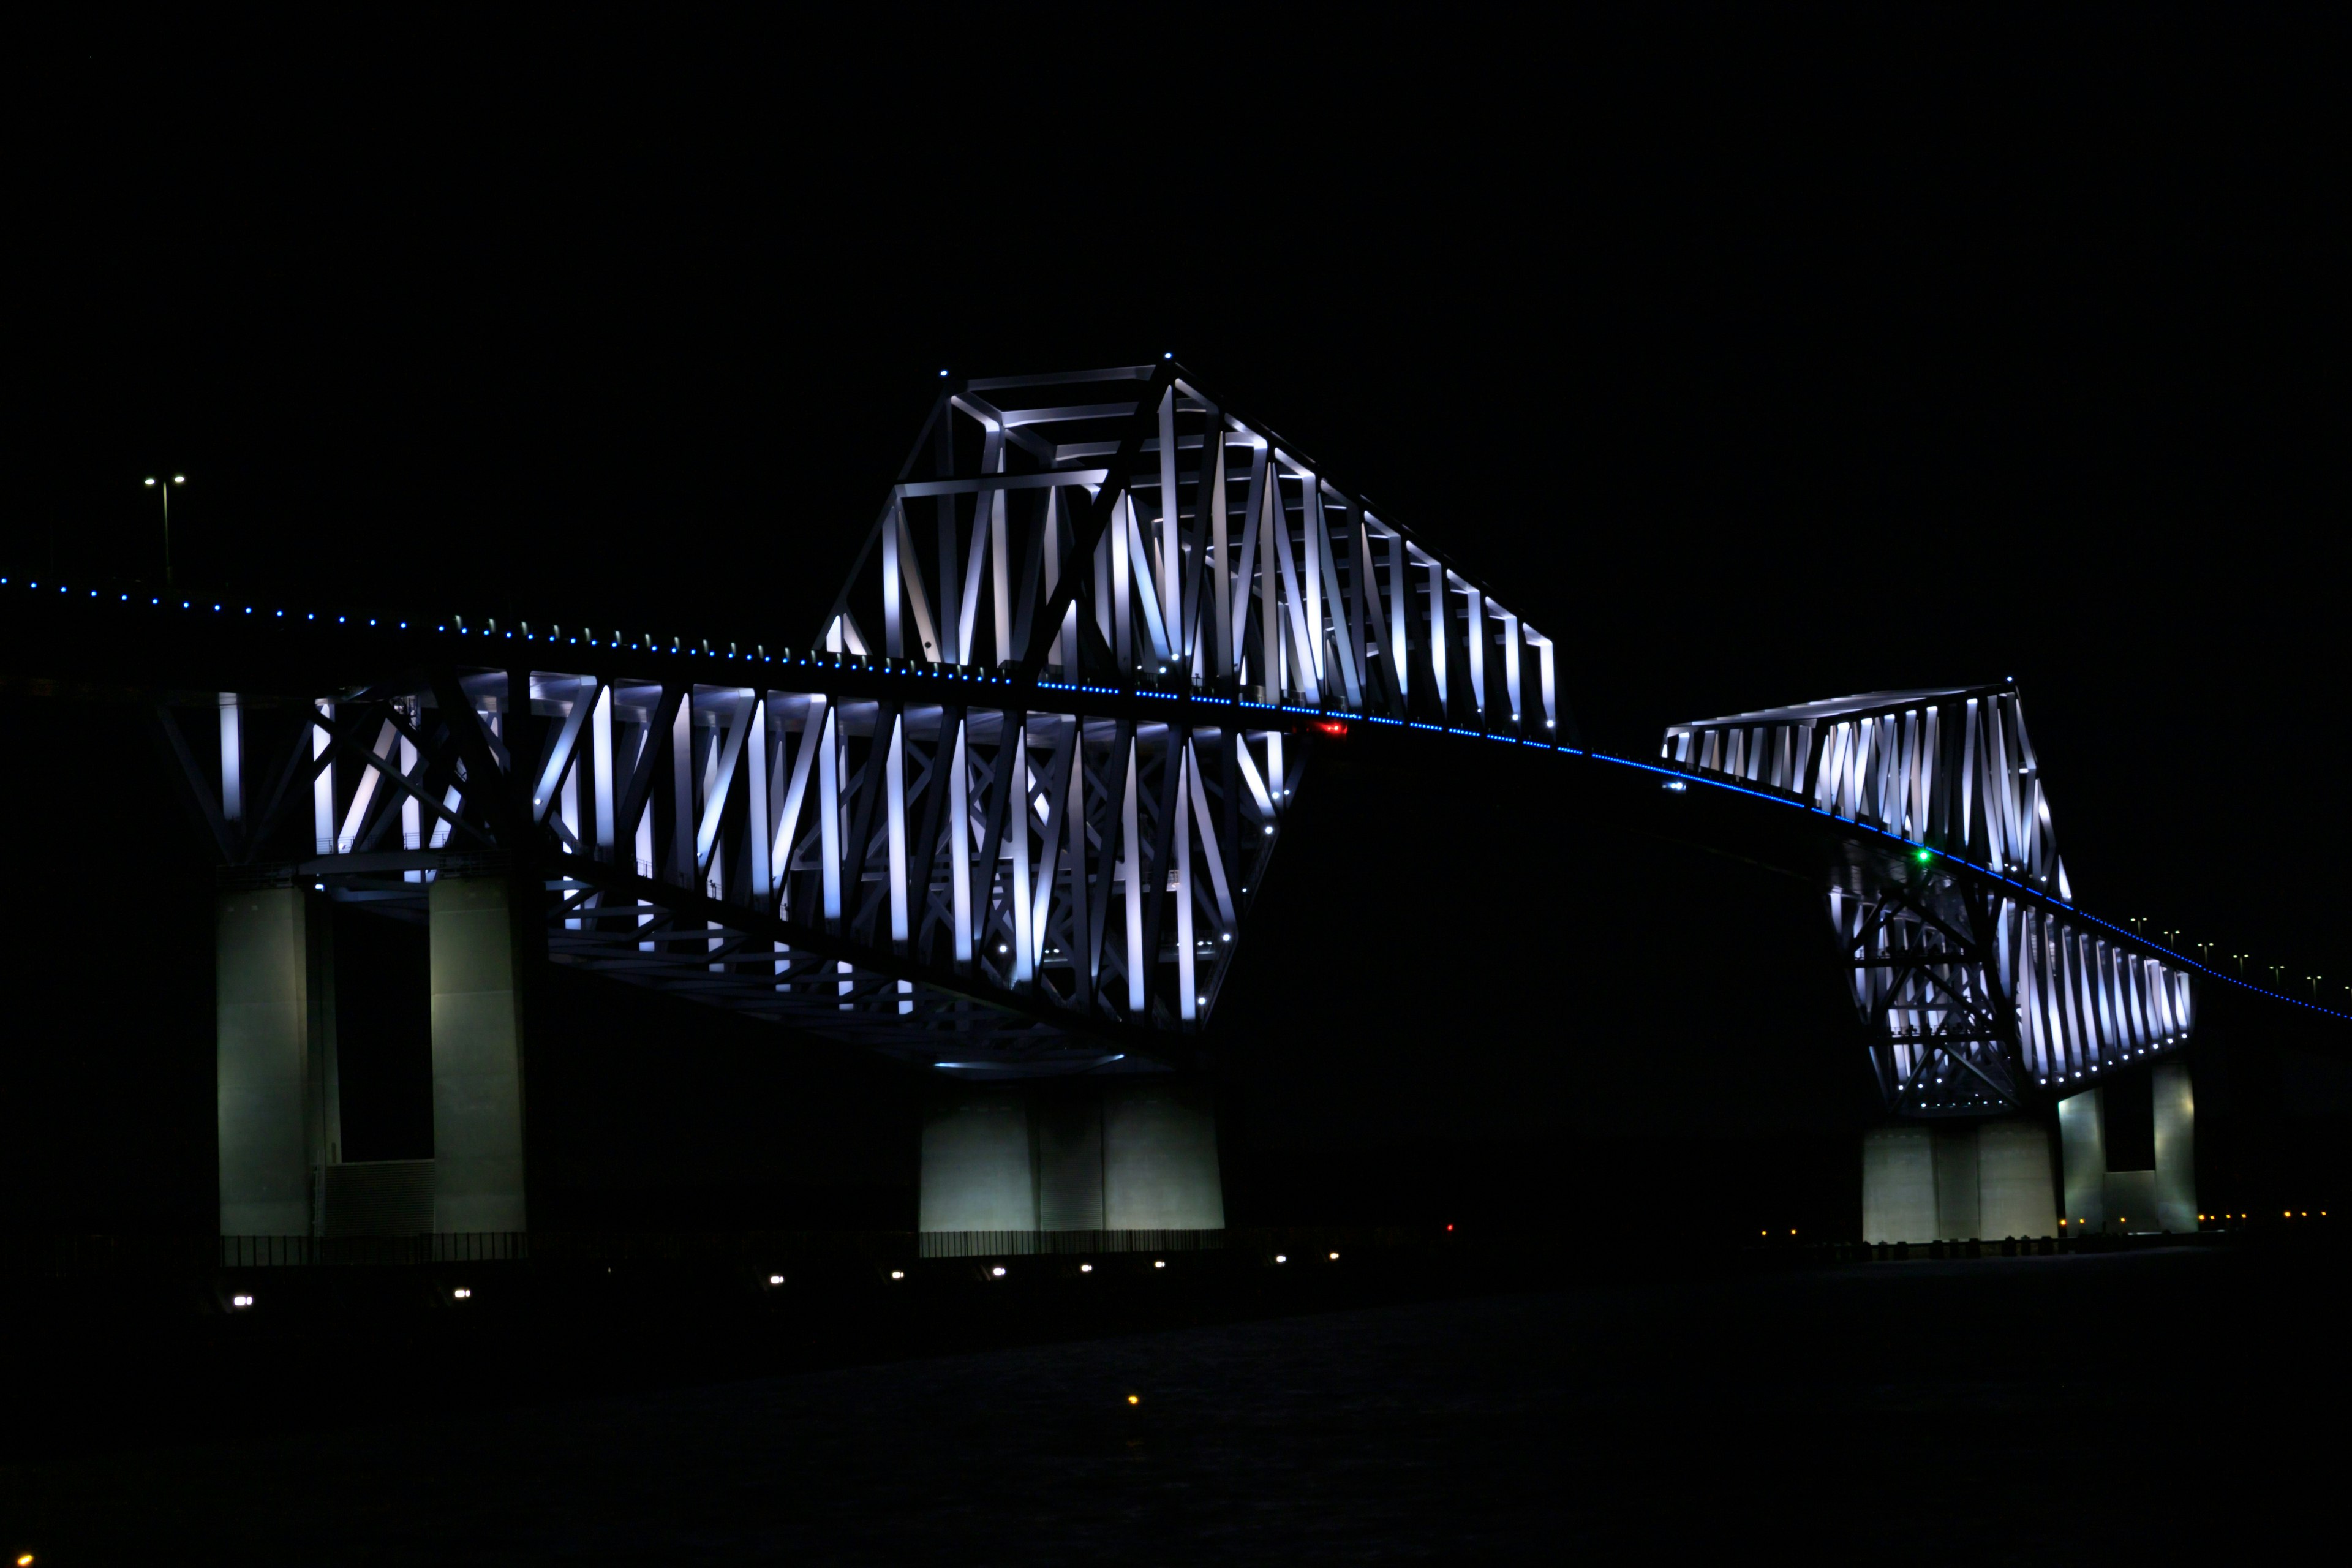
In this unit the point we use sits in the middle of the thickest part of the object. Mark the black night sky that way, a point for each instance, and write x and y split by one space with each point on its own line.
1756 367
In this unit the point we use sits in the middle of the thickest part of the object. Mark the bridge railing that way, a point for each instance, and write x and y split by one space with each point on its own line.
1062 1243
310 1252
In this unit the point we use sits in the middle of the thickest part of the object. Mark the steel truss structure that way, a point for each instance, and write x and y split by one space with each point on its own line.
1007 819
1968 994
1122 527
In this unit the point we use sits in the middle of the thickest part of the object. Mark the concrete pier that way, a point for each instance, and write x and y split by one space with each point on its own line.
274 1070
2082 1138
2176 1146
978 1172
1126 1154
1898 1185
477 1044
2163 1198
1957 1182
2015 1196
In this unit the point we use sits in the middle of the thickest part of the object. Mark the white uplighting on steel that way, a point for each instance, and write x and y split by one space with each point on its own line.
1966 993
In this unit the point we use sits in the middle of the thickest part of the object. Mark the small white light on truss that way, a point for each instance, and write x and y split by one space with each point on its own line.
997 1272
898 1274
1086 1268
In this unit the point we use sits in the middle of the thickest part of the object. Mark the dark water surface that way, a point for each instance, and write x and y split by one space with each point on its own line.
2027 1410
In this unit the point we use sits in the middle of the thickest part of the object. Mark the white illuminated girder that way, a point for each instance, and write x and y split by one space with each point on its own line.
1081 868
1189 546
1965 1004
1030 883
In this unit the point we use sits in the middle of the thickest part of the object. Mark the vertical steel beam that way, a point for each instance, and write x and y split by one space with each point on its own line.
322 783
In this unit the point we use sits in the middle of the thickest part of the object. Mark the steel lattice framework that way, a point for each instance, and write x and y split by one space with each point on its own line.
1008 817
1969 990
1011 814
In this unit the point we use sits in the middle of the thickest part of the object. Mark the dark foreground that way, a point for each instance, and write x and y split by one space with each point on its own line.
1987 1410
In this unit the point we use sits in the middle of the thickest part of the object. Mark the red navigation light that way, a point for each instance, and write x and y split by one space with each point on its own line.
1331 726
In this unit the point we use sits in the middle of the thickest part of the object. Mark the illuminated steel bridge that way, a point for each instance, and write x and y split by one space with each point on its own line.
1007 815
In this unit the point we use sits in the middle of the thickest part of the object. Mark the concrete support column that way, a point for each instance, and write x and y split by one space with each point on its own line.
1129 1153
977 1173
273 1059
2162 1199
2015 1196
1898 1185
2176 1148
1969 1181
477 1041
1065 1141
1160 1155
2081 1142
1957 1209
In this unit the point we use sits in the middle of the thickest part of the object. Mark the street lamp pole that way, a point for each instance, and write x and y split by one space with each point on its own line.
165 491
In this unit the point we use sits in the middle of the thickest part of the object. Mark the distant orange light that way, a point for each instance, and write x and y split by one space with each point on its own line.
1135 1399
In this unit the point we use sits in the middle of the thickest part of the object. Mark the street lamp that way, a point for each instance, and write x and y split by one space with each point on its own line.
164 490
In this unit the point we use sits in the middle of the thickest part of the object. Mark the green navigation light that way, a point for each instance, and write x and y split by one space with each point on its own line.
1923 855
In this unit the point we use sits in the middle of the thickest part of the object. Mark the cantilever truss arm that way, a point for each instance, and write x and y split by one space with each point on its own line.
1141 426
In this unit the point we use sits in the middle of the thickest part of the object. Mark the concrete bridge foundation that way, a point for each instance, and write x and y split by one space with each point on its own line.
277 1089
1124 1153
276 1097
477 1038
2161 1197
1957 1182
